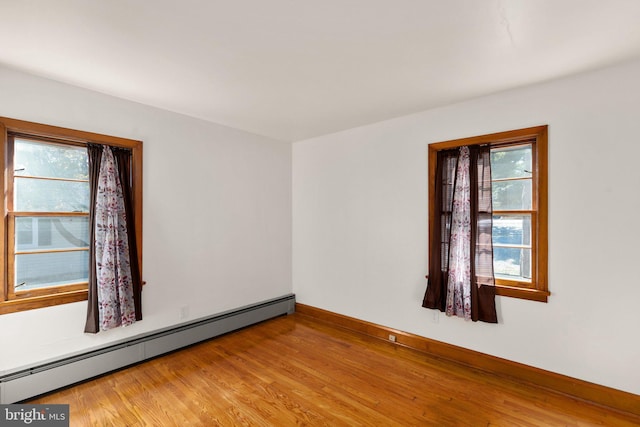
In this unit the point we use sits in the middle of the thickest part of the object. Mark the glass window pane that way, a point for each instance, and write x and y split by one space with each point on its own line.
511 162
511 195
511 230
36 233
50 269
41 195
512 263
24 233
49 160
512 246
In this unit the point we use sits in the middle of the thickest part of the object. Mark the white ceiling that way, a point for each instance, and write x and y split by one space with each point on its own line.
294 69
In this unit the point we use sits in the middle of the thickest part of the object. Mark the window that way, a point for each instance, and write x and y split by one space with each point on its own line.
48 229
519 198
45 237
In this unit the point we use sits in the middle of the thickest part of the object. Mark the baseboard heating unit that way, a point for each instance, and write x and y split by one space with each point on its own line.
36 380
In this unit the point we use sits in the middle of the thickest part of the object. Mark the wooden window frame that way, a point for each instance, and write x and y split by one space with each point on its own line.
537 289
11 302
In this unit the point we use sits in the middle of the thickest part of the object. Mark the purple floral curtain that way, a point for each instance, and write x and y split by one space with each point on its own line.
112 290
459 275
461 260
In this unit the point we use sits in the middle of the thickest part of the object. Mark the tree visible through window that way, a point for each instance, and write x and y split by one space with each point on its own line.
519 198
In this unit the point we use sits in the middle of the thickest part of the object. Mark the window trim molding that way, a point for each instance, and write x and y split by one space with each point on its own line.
538 291
55 134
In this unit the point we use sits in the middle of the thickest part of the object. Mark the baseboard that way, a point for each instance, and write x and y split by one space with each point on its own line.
34 380
607 397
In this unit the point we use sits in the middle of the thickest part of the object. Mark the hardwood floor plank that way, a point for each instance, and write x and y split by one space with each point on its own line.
296 370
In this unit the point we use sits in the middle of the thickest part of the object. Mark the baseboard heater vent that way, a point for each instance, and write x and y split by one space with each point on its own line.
36 380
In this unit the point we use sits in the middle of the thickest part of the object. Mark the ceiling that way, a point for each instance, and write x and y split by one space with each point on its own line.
295 69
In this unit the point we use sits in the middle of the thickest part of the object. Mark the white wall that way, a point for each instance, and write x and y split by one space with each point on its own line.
360 225
217 216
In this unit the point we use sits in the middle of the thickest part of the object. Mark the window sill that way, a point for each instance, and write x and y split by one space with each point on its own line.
23 304
522 293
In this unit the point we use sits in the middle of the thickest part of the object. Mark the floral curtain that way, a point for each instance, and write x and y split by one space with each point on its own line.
459 275
461 279
113 286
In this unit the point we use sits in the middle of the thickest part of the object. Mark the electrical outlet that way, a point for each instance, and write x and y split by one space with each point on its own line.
392 338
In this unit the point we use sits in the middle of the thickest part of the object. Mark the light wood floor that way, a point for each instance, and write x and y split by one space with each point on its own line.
294 370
